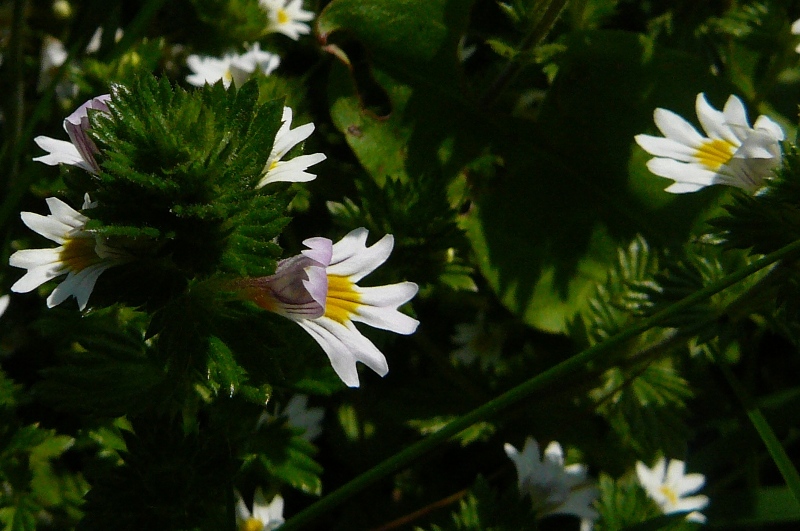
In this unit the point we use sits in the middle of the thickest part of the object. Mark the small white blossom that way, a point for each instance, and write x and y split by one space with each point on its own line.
317 289
231 67
53 55
299 415
292 170
552 487
287 17
668 486
478 341
796 31
81 149
81 255
733 153
264 517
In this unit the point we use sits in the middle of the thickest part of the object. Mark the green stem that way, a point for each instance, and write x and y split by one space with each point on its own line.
491 408
771 441
538 31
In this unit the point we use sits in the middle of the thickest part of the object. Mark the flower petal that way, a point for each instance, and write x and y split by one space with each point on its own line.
665 147
714 122
675 127
59 152
345 345
351 257
681 172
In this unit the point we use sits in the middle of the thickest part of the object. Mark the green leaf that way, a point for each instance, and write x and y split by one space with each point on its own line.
21 516
622 503
45 483
416 39
224 374
761 506
277 450
645 407
546 228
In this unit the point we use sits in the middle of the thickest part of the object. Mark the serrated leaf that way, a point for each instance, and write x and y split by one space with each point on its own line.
21 516
644 406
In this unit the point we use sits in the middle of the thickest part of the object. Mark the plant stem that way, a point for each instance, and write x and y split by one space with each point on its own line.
774 446
538 31
549 377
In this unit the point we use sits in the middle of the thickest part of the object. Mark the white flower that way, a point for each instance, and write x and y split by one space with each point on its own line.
287 17
299 415
317 289
4 301
53 55
80 151
293 170
231 67
733 153
796 31
553 488
668 486
265 517
478 341
81 255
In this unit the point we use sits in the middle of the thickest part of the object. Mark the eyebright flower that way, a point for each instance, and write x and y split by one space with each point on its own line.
553 488
231 67
80 151
81 255
287 17
317 289
733 153
299 415
265 517
293 170
668 486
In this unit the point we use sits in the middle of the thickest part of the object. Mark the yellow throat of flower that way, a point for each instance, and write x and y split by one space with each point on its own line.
251 524
713 153
669 493
343 300
283 16
78 253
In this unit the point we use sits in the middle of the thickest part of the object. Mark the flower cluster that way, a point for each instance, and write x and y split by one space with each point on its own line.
732 153
234 68
668 485
318 290
553 487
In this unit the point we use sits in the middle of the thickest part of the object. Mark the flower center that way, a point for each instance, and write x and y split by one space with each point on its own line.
78 253
283 16
343 300
669 493
714 153
251 524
